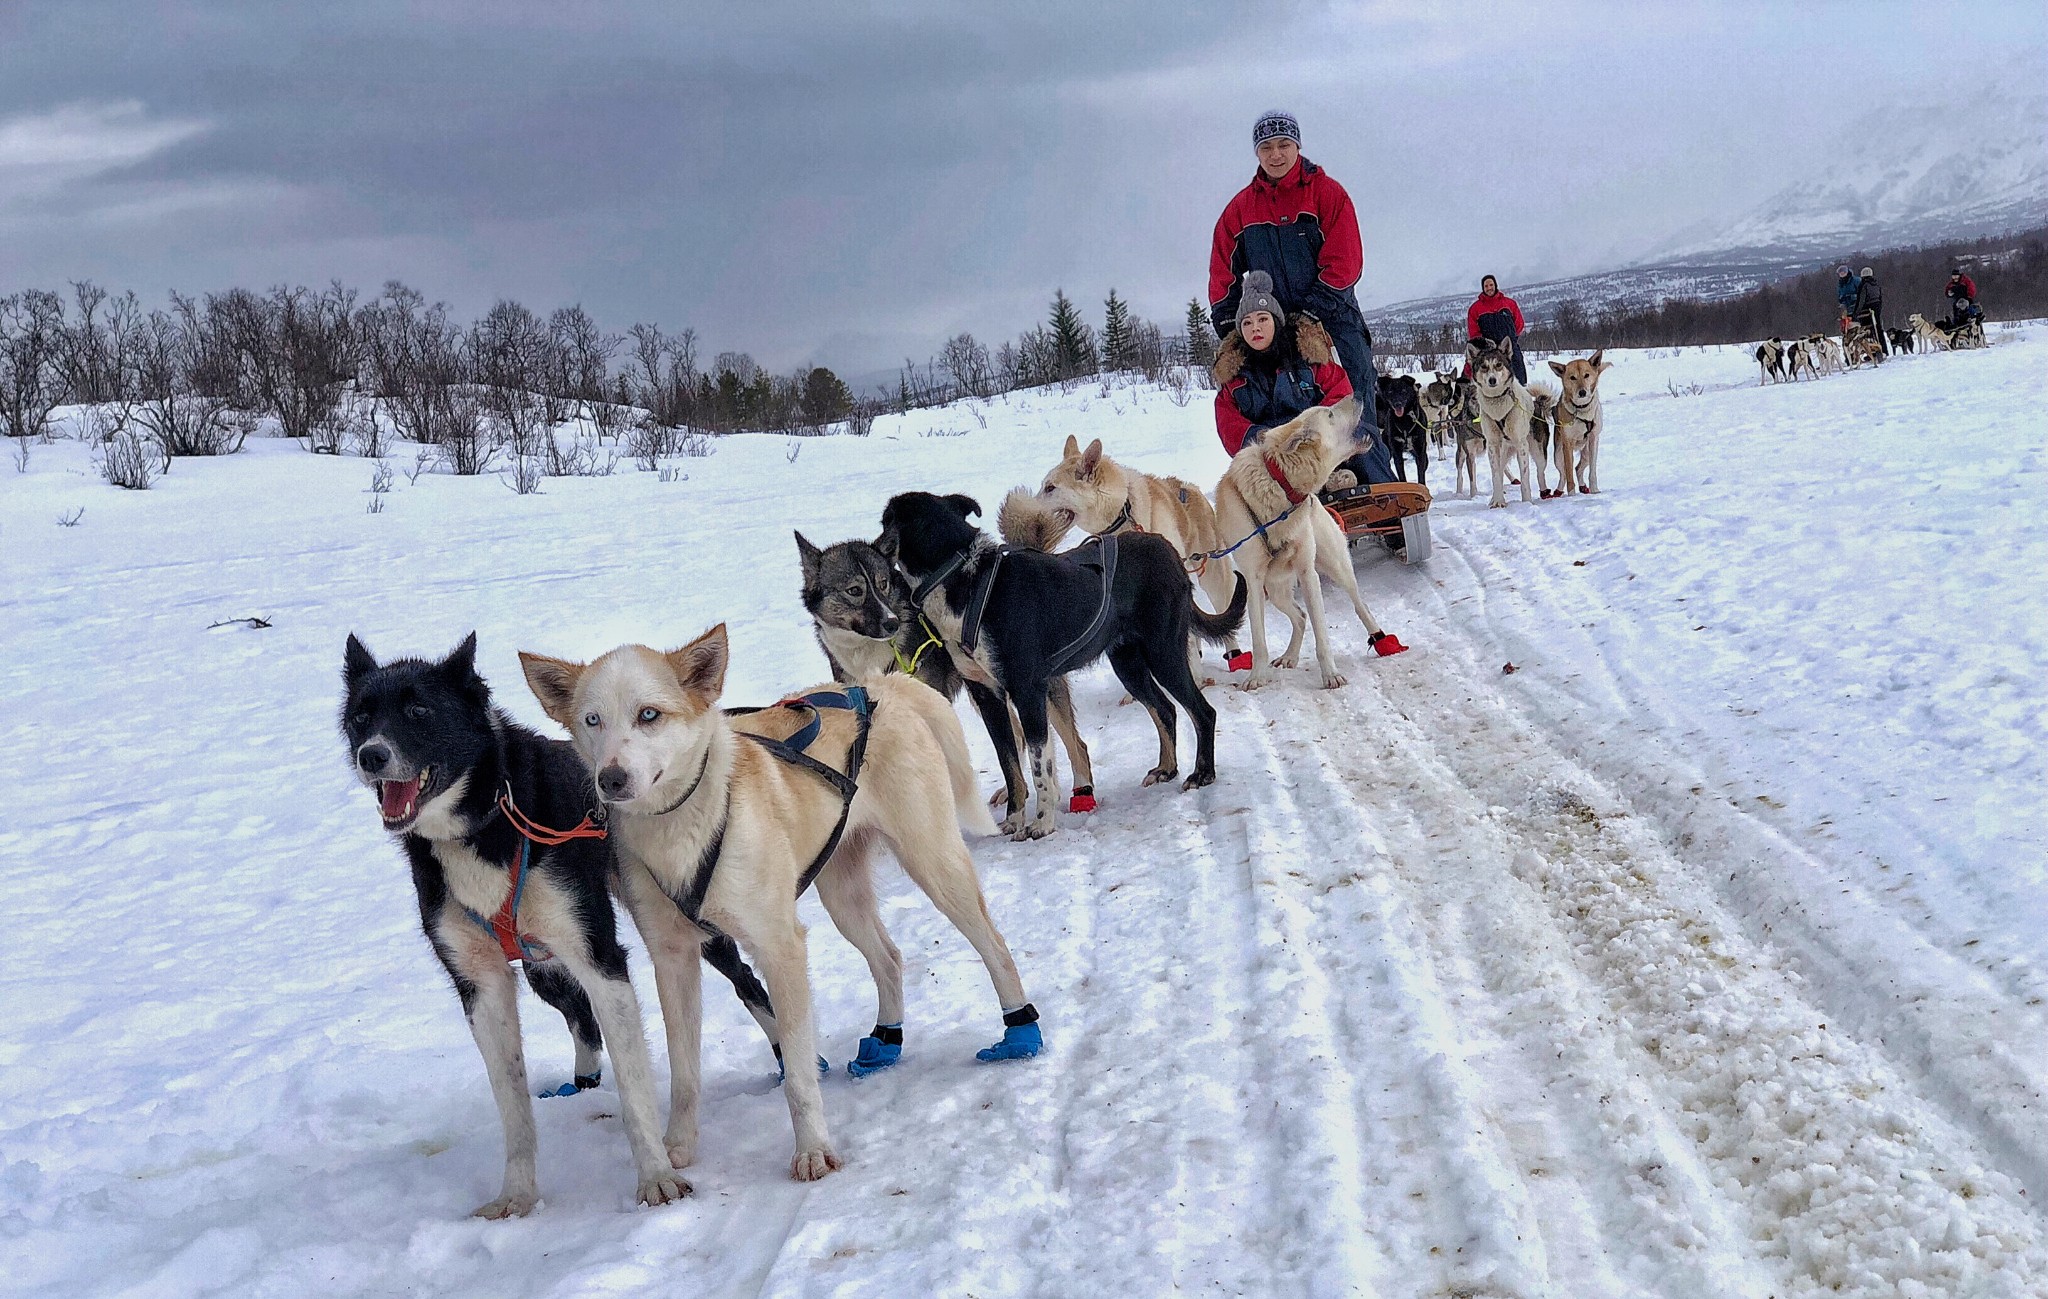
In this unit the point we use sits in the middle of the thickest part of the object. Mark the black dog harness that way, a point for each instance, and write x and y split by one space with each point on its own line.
792 751
1103 560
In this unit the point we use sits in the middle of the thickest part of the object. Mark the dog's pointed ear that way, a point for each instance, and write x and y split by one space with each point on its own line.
886 544
1073 448
356 662
553 682
700 666
1091 459
1556 369
812 557
460 665
969 507
1599 364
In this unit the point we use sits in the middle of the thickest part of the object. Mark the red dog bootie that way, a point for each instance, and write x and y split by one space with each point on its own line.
1083 800
1239 662
1386 644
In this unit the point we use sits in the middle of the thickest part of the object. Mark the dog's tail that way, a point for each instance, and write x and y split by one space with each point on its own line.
968 804
1025 521
1218 627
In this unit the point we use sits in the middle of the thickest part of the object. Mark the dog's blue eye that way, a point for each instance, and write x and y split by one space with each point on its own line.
592 720
648 715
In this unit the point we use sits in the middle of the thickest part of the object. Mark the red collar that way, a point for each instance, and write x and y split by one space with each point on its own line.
1273 468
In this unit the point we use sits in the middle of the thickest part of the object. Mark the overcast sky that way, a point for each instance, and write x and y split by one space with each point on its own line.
848 183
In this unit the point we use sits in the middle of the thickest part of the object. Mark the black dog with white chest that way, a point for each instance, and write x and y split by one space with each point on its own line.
1015 619
497 823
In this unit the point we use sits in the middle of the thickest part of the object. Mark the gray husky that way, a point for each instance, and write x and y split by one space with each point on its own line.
868 627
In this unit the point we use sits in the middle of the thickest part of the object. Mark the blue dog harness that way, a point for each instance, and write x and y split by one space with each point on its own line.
854 699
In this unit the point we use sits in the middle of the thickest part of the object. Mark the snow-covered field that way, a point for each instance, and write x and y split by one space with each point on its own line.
1703 954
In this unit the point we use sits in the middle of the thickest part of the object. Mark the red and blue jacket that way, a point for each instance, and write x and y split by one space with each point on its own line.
1251 398
1493 315
1302 231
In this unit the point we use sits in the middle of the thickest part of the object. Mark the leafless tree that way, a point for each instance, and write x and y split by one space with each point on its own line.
412 353
171 396
31 344
968 362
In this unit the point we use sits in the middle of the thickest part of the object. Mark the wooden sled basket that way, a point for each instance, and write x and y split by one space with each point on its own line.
1395 513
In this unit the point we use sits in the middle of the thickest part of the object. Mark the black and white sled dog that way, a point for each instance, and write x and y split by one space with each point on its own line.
1770 359
1015 619
496 821
867 625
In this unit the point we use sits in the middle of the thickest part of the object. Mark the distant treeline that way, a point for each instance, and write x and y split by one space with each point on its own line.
2011 272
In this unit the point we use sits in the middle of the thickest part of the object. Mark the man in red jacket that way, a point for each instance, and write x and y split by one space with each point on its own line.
1494 315
1298 226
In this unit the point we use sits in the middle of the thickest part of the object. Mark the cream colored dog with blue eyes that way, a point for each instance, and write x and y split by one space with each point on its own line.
721 822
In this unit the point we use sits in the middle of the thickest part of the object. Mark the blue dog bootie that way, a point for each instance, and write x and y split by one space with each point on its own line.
1021 1039
878 1050
584 1082
781 1073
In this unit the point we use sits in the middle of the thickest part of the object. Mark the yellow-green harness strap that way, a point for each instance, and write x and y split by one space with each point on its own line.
917 655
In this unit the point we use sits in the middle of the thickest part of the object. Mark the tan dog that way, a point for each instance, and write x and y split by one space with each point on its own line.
1936 338
1578 423
1278 476
1089 490
715 833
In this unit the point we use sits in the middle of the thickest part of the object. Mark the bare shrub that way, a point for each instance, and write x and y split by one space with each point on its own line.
467 439
1180 384
169 378
525 476
694 444
127 457
70 518
860 421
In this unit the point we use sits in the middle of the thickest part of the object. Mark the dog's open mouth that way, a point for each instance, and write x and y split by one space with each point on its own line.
400 799
1063 517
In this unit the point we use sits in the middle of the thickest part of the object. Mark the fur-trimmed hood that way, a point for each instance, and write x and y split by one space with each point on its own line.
1311 340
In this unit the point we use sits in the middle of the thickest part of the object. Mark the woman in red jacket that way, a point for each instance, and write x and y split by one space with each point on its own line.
1271 368
1494 315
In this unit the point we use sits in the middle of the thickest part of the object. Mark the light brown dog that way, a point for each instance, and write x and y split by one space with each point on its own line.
1089 490
715 833
1579 420
1268 495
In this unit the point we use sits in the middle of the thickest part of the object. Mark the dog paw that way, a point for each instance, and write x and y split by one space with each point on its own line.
813 1165
1125 702
1199 780
1496 505
1257 681
508 1206
1020 1042
1037 828
1012 825
1159 775
996 799
1287 661
663 1188
1333 680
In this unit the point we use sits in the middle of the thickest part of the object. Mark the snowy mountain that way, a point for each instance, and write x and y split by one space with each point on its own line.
1903 175
1899 176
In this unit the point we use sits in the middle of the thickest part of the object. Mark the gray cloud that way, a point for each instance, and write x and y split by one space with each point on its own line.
851 185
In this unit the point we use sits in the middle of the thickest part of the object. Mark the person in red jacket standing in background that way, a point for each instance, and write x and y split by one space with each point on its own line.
1298 226
1494 315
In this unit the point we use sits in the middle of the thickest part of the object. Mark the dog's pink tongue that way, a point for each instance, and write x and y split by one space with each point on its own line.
398 796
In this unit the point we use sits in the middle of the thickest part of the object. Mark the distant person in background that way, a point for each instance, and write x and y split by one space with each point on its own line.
1962 298
1869 308
1297 225
1845 290
1494 315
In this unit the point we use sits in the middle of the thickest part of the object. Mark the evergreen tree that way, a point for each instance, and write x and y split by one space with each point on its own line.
1201 339
826 398
1116 334
1073 341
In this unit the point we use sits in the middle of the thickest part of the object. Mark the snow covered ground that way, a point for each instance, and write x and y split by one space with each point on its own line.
1703 954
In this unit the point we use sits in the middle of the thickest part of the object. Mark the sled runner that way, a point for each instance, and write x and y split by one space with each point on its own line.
1396 513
